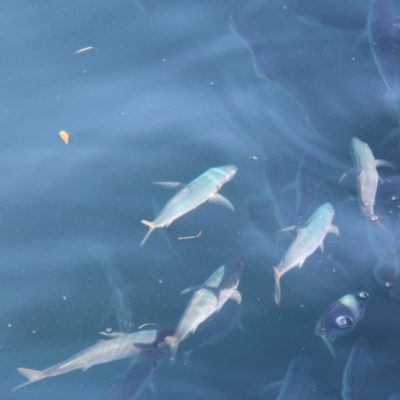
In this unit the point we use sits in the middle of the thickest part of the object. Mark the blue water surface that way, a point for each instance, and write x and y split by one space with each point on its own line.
169 90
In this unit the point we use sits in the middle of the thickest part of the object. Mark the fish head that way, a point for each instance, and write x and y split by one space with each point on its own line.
227 172
385 273
342 316
233 271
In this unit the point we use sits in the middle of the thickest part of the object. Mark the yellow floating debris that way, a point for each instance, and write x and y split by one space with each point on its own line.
64 137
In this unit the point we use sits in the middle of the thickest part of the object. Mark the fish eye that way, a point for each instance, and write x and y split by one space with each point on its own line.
388 285
343 322
363 295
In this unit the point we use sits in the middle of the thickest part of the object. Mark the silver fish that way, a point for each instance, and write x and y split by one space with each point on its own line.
203 188
341 318
124 346
353 375
217 326
138 377
367 177
297 383
207 300
308 239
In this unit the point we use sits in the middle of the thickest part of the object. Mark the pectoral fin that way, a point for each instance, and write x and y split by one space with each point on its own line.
277 293
333 229
191 289
329 345
169 185
383 163
236 296
220 200
289 228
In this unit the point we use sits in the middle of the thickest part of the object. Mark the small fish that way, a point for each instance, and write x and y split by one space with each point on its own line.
123 346
341 318
217 326
141 374
353 375
308 239
297 384
203 188
367 177
207 299
64 136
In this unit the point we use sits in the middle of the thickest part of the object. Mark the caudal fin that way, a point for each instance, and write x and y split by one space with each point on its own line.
31 374
277 286
151 226
173 343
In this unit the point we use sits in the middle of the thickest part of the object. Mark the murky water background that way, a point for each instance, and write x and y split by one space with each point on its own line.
164 96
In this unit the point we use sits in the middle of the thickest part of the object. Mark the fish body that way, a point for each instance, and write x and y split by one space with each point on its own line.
341 318
124 346
387 274
203 188
138 377
308 239
384 38
353 375
367 177
297 384
263 67
120 298
207 300
217 326
306 183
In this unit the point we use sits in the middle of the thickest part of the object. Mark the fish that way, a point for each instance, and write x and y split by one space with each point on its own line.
387 274
207 299
367 177
120 295
297 383
383 27
203 188
104 351
140 374
353 375
263 67
217 326
308 239
306 183
341 318
346 21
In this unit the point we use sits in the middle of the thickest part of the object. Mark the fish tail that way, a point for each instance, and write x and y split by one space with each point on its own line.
151 226
277 286
31 374
173 343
